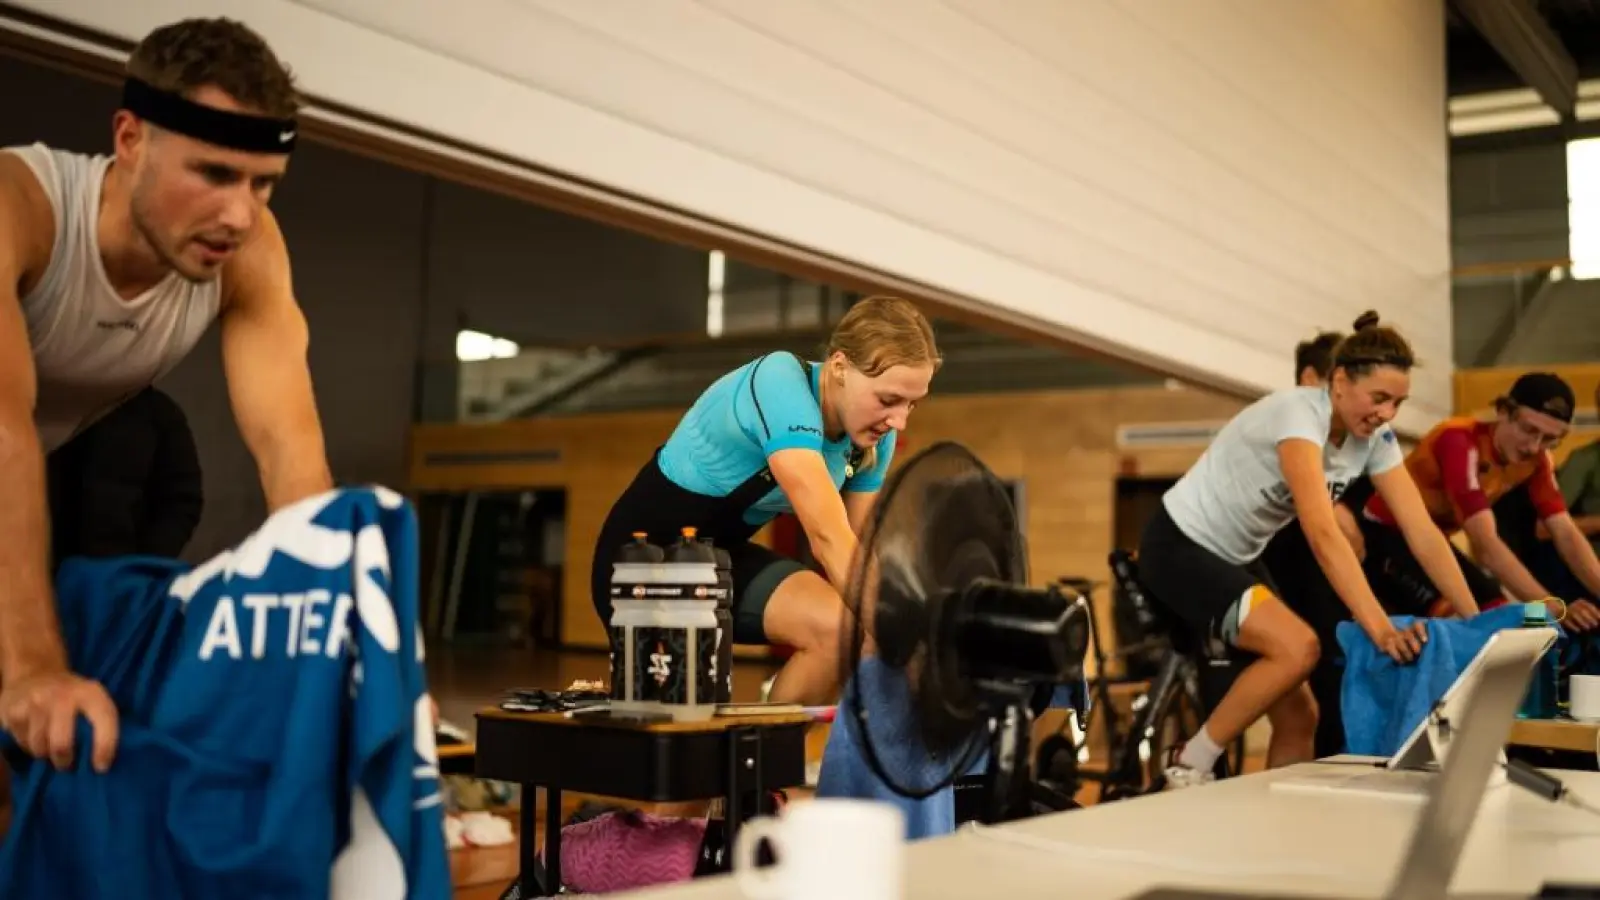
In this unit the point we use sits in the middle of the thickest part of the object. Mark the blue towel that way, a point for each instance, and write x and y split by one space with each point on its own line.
847 773
1383 701
276 739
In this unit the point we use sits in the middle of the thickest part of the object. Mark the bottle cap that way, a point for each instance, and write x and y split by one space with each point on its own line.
689 531
1535 612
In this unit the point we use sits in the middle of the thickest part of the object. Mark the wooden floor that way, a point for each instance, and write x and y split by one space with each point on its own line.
465 679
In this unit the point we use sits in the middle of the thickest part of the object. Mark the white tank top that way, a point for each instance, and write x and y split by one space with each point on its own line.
91 348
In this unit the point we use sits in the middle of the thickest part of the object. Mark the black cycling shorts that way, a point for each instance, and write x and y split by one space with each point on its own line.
1400 582
1212 595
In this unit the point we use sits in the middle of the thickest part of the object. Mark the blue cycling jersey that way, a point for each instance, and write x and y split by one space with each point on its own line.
766 405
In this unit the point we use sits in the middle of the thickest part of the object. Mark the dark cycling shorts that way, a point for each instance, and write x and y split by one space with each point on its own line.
660 508
1400 582
757 572
1210 594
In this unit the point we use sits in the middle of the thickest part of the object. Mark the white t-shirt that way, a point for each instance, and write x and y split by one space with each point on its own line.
1235 498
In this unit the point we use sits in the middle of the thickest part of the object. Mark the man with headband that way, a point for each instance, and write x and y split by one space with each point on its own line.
111 269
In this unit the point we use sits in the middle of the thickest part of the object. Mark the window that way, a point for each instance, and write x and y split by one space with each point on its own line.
472 346
716 272
1583 207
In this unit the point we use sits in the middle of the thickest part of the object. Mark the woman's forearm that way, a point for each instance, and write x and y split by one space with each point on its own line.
1339 563
835 552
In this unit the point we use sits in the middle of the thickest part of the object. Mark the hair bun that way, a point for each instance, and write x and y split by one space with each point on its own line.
1368 319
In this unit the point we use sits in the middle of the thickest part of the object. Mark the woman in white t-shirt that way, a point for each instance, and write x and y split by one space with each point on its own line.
1289 454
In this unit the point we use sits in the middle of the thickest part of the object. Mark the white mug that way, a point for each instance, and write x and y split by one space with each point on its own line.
1583 697
830 848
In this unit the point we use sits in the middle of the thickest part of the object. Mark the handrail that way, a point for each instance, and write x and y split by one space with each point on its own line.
1511 267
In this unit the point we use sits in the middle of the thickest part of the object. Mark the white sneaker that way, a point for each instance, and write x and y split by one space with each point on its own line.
1178 776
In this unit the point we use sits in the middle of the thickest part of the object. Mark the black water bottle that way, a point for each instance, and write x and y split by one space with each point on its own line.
695 586
724 625
640 550
625 585
689 548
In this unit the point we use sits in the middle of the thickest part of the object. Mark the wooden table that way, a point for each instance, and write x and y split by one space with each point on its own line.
739 758
1556 743
457 759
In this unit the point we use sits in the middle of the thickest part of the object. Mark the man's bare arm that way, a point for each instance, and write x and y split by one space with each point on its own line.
1491 552
30 638
264 346
40 697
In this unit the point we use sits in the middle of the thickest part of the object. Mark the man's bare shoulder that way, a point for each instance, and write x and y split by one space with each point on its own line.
260 269
27 224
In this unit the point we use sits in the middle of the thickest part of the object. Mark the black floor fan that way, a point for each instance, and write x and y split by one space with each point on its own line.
948 653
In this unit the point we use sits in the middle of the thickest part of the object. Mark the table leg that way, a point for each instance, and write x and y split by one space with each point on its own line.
552 839
747 796
528 855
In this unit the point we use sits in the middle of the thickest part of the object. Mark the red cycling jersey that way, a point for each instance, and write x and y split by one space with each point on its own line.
1460 474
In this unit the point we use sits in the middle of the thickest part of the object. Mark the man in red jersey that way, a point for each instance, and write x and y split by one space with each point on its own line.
1461 468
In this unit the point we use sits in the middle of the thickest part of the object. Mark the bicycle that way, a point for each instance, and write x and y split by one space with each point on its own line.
1171 706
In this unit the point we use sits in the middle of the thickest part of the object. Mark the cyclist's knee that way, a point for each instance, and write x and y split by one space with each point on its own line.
1296 712
1302 649
1271 630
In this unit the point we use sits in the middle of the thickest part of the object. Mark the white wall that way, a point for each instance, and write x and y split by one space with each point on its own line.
1202 181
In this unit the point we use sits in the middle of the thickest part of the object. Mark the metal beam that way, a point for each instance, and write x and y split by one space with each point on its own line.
1530 307
1522 37
578 378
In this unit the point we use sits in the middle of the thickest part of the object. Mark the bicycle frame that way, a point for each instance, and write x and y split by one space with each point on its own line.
1130 738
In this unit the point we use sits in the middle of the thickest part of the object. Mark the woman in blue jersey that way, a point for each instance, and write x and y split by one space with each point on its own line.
1289 454
776 435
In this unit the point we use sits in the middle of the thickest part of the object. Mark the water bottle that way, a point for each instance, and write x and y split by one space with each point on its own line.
640 550
664 628
724 625
1540 700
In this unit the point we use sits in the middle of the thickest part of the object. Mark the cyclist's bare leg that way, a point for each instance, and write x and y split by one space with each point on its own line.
1287 649
1294 728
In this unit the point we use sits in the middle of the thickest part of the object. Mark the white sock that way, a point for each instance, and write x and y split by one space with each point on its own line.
1200 753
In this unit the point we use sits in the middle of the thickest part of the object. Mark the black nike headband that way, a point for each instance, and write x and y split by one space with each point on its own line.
236 131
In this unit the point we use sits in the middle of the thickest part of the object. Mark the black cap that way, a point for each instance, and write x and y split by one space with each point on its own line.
1544 392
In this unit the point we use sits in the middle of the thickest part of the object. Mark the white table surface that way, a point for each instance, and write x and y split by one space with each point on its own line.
1238 833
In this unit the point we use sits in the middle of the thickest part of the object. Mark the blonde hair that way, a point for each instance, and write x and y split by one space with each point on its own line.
878 333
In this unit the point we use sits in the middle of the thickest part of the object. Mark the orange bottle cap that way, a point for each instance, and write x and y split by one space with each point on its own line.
690 531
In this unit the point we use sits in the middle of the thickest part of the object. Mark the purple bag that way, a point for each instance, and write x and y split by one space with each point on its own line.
621 851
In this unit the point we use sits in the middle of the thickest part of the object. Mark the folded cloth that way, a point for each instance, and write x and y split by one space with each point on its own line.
629 850
846 772
276 737
1383 701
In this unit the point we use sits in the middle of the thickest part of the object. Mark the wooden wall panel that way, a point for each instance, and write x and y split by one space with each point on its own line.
1061 445
1476 390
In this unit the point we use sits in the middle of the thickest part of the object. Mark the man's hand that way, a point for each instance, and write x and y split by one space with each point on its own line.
1582 615
41 712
